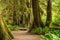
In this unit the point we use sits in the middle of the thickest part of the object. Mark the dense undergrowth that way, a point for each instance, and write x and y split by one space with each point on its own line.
47 33
52 35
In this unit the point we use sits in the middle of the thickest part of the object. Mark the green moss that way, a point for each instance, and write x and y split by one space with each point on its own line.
5 34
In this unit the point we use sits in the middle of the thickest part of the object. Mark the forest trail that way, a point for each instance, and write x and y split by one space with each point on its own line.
23 35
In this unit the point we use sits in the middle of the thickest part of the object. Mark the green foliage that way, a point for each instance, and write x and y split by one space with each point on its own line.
56 32
40 30
57 19
44 19
36 31
52 35
45 30
13 27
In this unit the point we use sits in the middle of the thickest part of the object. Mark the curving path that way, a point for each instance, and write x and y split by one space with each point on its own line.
23 35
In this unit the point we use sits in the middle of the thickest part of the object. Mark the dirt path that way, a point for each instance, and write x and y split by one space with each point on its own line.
23 35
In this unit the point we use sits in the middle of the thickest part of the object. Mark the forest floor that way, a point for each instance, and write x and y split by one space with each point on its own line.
23 35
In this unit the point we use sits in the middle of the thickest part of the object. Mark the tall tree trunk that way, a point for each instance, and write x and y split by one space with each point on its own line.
36 13
49 13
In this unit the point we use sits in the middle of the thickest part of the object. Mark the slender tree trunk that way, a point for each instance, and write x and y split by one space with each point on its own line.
15 21
23 9
49 13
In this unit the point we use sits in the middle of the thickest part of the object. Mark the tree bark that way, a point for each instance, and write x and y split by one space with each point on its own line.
37 16
49 13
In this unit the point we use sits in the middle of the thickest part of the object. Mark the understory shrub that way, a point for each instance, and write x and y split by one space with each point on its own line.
36 31
40 30
13 27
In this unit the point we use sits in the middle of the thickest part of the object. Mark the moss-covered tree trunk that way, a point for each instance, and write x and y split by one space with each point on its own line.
5 33
30 14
